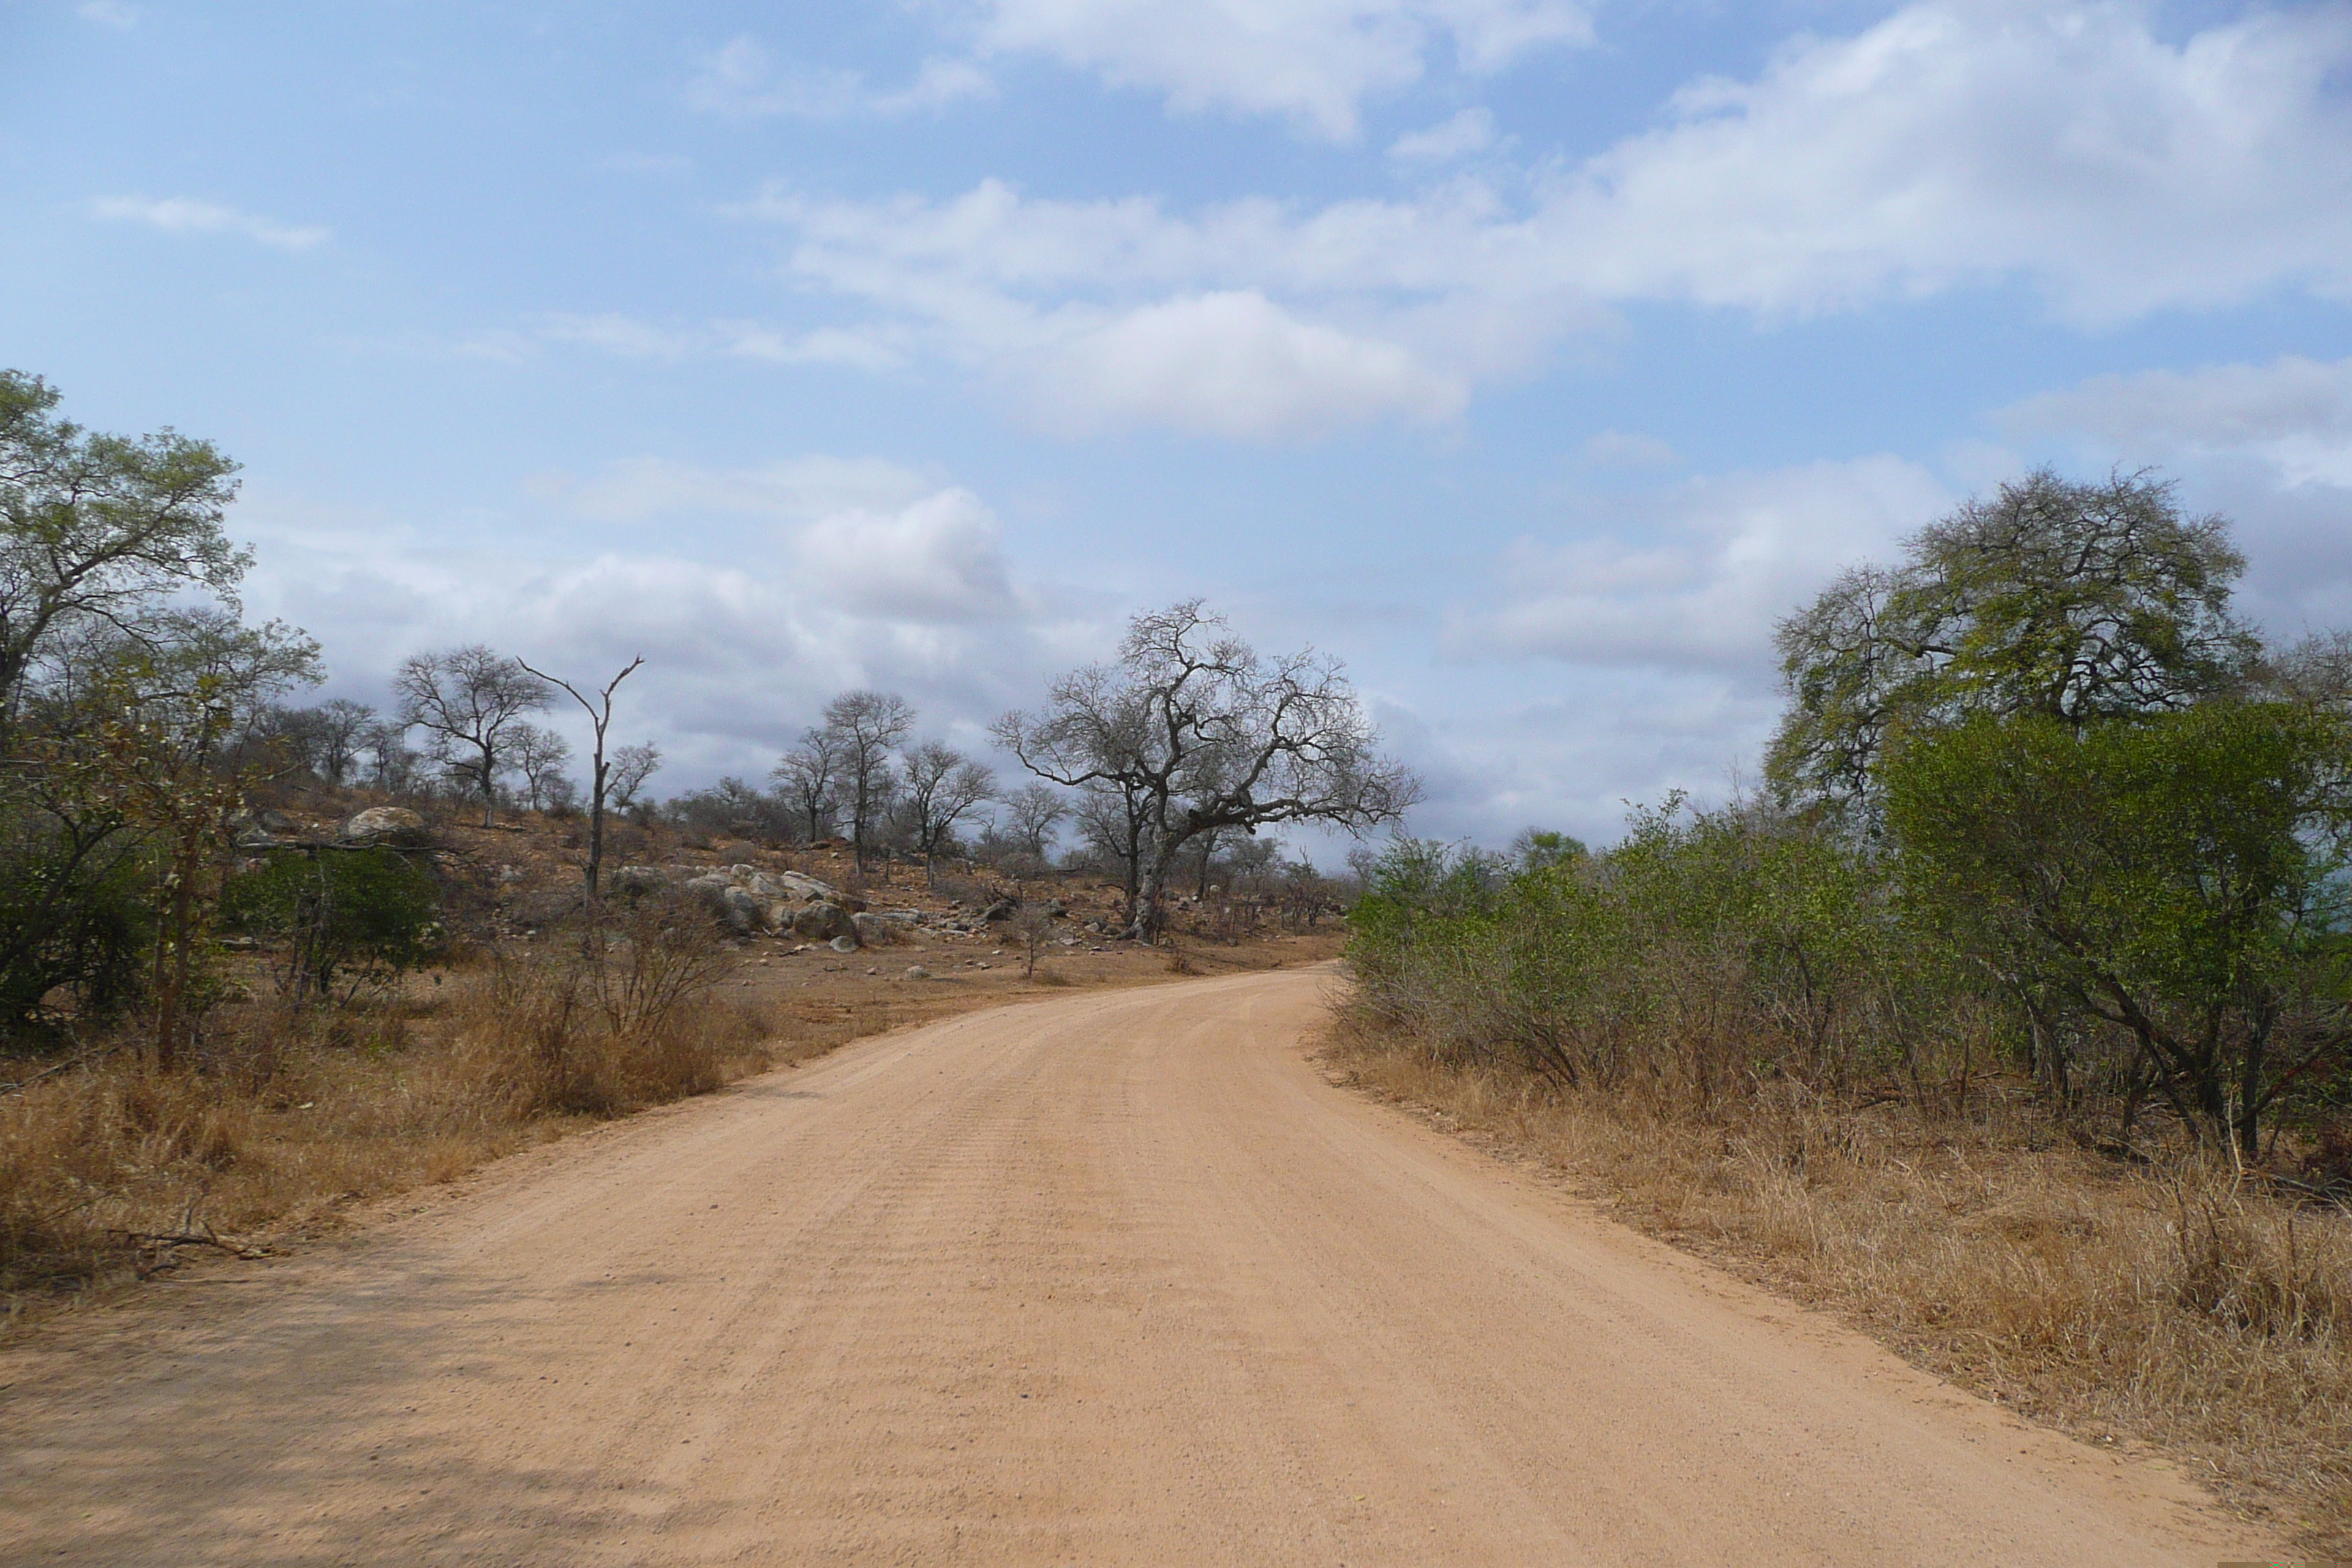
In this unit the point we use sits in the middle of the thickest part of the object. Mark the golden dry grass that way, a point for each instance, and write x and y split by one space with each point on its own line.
289 1117
2177 1309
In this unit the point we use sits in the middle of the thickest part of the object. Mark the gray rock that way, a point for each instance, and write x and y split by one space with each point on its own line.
744 912
393 825
807 889
824 922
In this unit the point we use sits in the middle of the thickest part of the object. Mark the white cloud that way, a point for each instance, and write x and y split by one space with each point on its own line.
1312 60
866 535
794 490
1241 322
628 337
2071 148
1235 365
177 214
2294 415
1709 574
741 81
1471 131
878 576
939 561
2067 144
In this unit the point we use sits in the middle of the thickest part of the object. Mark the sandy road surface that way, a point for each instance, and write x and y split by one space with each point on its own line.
1116 1278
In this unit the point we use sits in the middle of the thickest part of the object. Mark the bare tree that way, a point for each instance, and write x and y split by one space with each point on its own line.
939 786
342 728
1030 814
1206 734
600 784
391 761
631 767
539 755
867 726
809 776
469 701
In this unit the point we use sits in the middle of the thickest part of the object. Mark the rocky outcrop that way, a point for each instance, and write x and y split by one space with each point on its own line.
392 825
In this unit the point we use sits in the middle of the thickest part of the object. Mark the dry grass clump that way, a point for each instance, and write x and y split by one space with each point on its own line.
290 1113
2178 1306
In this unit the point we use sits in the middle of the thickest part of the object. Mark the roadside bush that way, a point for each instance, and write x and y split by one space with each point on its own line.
356 917
1708 956
76 919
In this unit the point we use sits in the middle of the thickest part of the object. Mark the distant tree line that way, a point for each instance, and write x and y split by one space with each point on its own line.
140 708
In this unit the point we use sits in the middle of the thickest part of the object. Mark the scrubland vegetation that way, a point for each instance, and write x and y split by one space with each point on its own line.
217 1020
2012 1017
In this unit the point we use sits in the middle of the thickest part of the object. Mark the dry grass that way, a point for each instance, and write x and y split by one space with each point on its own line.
2172 1308
293 1115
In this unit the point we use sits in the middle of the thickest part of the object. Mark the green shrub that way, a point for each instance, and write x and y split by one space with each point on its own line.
345 916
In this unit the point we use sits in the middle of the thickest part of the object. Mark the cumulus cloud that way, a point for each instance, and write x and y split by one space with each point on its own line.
1239 323
2294 415
939 561
875 574
177 214
1315 61
1232 363
1708 572
742 81
1947 146
2067 144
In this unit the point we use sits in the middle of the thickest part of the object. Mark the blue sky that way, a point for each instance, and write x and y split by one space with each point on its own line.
1532 356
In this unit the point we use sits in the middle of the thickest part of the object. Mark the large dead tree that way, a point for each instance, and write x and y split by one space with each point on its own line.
601 781
1202 733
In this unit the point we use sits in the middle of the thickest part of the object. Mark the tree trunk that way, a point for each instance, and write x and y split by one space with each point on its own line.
2249 1098
1144 925
596 830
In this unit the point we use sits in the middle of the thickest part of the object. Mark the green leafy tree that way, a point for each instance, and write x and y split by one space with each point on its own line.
98 531
353 916
2076 600
2174 878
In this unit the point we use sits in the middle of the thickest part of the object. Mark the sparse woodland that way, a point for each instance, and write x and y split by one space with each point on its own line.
260 958
2012 1015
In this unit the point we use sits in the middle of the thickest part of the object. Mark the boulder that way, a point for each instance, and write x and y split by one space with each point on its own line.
806 888
383 824
730 905
824 922
745 914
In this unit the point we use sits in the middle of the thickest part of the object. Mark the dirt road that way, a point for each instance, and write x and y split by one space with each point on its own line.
1117 1278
